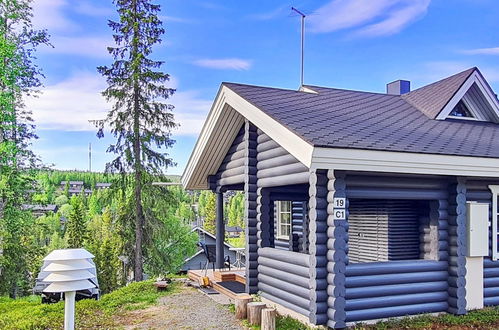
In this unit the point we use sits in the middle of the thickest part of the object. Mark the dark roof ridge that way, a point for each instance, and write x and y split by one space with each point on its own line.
349 90
471 70
226 83
432 98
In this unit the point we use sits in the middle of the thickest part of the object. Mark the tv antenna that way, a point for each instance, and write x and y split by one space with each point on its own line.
302 40
90 157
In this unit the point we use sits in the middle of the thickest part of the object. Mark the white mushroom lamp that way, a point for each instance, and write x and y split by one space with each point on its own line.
69 270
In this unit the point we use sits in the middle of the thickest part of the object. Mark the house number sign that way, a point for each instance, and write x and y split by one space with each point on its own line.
339 212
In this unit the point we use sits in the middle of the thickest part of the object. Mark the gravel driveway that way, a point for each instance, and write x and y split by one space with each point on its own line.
187 309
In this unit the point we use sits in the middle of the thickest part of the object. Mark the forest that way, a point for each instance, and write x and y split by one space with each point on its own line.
98 220
135 228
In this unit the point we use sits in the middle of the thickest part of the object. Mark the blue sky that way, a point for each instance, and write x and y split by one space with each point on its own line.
353 44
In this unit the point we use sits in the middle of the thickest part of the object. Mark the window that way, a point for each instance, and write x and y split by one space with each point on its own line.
495 215
461 111
283 219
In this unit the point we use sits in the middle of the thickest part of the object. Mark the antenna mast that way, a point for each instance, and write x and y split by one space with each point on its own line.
302 41
90 157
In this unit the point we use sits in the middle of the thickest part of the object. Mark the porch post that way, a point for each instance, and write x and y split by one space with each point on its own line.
220 230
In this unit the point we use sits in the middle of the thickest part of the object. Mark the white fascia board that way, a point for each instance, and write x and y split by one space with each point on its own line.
403 162
484 87
201 142
294 144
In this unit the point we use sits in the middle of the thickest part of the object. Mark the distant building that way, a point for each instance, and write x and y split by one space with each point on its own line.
233 231
102 185
39 210
74 185
73 192
198 259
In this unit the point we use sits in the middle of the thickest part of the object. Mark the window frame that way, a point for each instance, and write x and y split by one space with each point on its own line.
280 223
494 220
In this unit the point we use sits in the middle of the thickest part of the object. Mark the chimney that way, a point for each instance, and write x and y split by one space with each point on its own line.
398 87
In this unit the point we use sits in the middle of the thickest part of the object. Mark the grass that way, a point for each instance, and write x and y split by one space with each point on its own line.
30 313
487 318
281 322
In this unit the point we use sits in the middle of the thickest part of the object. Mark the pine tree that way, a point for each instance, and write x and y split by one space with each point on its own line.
76 227
139 120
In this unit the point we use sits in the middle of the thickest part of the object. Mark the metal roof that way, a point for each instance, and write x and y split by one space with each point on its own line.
338 118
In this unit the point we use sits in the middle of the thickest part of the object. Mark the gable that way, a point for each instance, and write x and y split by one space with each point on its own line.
222 126
476 96
465 95
432 98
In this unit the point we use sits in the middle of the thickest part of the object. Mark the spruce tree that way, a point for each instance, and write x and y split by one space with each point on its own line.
76 229
140 120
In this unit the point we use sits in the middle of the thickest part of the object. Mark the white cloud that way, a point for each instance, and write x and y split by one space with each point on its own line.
49 14
397 19
70 104
95 47
373 18
482 51
174 19
224 64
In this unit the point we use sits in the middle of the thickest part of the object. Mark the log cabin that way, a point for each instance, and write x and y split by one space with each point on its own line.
360 206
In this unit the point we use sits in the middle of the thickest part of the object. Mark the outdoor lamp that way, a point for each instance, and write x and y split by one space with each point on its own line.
70 270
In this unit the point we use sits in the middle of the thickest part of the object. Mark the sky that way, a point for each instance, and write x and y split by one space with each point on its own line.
352 44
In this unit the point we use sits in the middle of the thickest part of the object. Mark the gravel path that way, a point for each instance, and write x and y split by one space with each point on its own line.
188 309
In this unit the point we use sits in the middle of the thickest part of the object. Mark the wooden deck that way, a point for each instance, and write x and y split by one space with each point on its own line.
217 276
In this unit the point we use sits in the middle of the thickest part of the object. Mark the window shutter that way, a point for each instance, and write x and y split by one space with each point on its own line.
383 230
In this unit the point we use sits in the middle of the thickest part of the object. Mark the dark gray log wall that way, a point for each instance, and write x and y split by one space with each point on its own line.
478 190
276 166
233 168
490 282
283 277
318 239
396 288
457 247
337 258
250 193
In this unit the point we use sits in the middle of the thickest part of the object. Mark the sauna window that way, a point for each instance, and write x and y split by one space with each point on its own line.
383 230
283 219
461 111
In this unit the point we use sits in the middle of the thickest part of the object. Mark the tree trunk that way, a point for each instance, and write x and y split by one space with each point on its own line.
255 312
242 301
139 214
268 319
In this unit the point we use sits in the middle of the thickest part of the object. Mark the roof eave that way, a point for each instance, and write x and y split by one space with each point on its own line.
229 110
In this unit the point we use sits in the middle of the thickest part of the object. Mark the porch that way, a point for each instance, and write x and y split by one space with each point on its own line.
227 282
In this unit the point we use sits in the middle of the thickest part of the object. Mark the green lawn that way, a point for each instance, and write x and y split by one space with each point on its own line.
487 318
30 313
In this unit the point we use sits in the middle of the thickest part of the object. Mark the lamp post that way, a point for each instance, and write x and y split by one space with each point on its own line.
70 270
